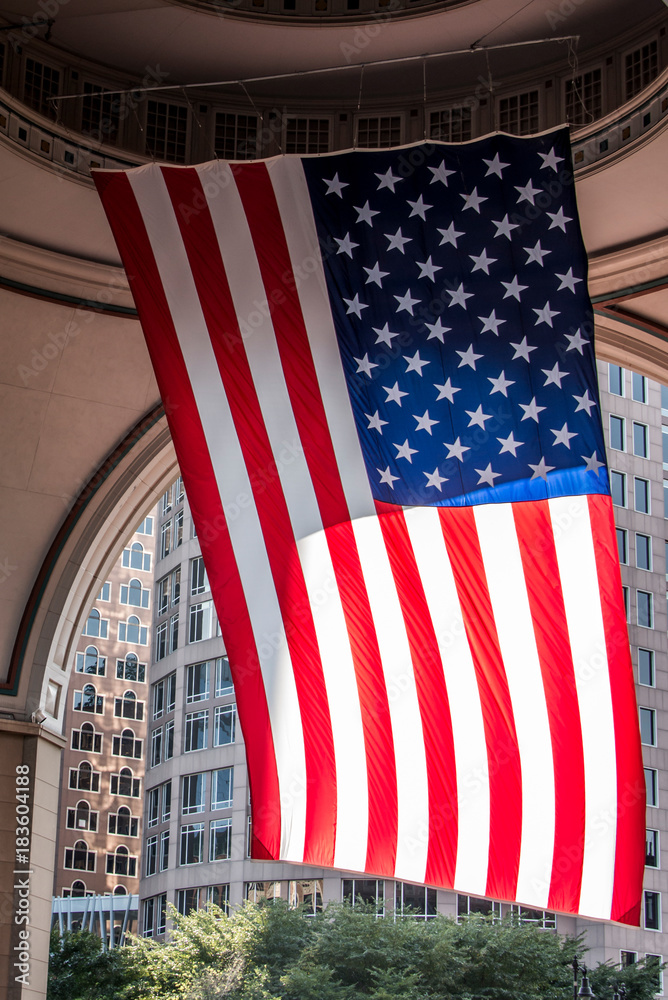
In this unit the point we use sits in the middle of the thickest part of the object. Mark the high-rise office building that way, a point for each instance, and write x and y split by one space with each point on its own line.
196 835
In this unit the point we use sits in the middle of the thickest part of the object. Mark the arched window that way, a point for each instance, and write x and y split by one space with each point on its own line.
130 669
123 817
126 745
96 625
91 662
82 815
137 555
79 857
84 780
120 890
134 593
125 782
128 707
132 630
78 888
120 862
87 737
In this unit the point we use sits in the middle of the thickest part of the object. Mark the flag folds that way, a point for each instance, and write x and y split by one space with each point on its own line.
379 375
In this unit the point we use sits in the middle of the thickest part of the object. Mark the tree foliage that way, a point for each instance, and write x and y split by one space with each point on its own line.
271 952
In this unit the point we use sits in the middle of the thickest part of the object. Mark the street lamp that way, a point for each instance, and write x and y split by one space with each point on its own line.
585 991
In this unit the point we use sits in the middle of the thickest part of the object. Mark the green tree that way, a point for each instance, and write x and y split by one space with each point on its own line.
78 964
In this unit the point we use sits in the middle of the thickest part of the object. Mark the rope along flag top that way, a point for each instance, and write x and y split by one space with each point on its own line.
379 376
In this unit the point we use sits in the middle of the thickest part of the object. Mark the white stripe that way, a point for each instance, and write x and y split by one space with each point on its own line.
579 584
292 196
409 751
514 625
468 728
232 481
250 303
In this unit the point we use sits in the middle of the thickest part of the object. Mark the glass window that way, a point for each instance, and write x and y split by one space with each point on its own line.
133 631
519 114
88 700
130 669
164 850
616 380
222 782
652 848
96 625
617 433
135 558
193 794
178 529
450 124
196 731
167 500
224 683
236 136
535 918
158 699
79 857
618 488
306 895
156 746
641 493
653 911
165 539
640 440
655 961
224 725
306 135
146 527
169 740
643 552
622 545
201 621
189 900
84 778
153 807
376 133
192 844
166 801
219 895
151 857
466 905
627 603
105 593
646 667
134 594
199 582
640 67
126 745
647 726
220 839
652 786
415 900
173 633
128 707
197 682
124 784
170 683
644 609
161 636
91 662
364 890
639 387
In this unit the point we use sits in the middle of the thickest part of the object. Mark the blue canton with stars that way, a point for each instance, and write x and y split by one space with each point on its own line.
457 278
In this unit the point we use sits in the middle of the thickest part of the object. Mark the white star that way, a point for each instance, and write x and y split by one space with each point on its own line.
375 423
468 358
473 200
554 376
500 384
513 288
592 463
527 193
532 410
427 269
375 275
394 394
577 341
335 186
437 330
384 336
487 475
522 350
478 417
387 477
541 470
441 174
346 245
495 166
559 220
510 444
406 302
584 402
491 323
397 241
568 280
562 436
504 227
550 160
446 391
424 423
405 451
355 306
545 315
482 262
388 180
365 214
536 254
415 364
450 235
456 450
434 479
364 365
458 297
419 208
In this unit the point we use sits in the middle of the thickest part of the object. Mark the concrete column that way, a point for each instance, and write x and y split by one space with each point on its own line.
27 751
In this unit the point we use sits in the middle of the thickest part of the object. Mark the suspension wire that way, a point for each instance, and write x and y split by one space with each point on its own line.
198 122
495 125
359 105
327 69
576 86
260 116
424 98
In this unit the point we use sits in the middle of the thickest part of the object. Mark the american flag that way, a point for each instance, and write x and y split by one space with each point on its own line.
382 392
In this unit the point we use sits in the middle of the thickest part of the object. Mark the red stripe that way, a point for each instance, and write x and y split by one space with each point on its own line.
432 699
505 777
541 573
268 235
208 272
193 455
629 850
